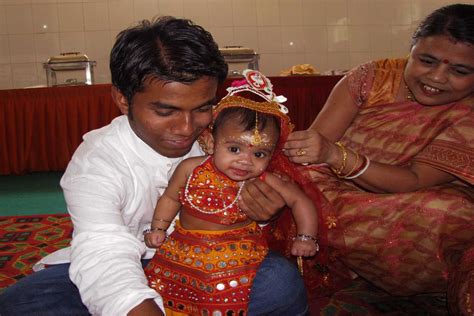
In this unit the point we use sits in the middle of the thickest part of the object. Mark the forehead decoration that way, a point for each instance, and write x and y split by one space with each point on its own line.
256 83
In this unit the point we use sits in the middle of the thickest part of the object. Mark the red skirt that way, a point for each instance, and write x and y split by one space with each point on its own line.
201 272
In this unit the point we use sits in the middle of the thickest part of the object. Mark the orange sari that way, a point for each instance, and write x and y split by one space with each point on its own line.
405 243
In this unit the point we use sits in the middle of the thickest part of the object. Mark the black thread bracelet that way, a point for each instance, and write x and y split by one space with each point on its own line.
151 230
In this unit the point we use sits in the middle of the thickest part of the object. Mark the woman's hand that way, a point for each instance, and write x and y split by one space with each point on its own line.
310 147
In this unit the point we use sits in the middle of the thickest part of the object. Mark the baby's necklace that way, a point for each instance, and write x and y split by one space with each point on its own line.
197 208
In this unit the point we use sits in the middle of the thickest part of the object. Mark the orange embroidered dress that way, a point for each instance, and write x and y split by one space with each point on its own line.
208 272
406 243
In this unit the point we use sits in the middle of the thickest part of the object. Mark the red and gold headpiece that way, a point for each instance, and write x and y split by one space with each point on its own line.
256 83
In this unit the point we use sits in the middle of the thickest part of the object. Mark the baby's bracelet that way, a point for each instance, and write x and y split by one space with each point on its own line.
161 220
303 237
151 230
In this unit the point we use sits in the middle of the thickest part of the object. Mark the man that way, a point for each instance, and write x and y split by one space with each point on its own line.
165 76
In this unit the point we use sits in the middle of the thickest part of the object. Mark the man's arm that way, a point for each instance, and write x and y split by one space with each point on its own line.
146 308
105 254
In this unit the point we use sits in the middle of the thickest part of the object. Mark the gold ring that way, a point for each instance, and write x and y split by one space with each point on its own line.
300 152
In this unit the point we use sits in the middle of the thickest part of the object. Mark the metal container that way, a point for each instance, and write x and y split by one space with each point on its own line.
68 69
239 58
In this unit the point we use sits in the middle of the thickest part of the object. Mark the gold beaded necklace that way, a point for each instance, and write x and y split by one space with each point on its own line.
410 96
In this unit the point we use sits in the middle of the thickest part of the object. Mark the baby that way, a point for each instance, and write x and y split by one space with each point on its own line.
209 261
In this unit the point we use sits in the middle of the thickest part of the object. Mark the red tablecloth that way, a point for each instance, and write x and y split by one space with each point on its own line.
41 128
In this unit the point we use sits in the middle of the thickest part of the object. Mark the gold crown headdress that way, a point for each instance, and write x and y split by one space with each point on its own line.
256 83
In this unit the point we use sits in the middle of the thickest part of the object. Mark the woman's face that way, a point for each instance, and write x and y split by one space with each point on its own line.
440 70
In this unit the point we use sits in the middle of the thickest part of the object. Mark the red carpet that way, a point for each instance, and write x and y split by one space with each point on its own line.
25 239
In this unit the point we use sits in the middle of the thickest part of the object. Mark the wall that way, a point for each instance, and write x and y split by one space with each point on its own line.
329 34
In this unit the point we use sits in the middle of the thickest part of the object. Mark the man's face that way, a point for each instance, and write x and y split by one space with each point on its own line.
169 116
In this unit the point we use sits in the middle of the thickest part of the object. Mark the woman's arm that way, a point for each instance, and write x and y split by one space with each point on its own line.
384 178
318 144
317 141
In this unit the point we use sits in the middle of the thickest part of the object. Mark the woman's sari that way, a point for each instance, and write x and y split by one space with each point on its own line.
405 243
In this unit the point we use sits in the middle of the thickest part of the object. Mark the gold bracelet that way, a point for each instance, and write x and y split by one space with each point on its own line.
344 159
353 167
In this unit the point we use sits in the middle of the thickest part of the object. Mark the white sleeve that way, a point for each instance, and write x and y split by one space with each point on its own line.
105 255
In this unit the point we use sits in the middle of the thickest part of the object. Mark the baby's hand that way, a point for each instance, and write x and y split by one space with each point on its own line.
304 245
305 248
154 239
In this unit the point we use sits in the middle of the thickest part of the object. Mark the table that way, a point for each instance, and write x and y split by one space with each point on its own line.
41 128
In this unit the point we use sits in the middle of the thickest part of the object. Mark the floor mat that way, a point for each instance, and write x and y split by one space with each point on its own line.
25 239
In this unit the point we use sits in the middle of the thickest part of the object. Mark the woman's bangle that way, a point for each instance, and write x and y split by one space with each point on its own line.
303 237
357 168
343 151
354 167
361 170
151 230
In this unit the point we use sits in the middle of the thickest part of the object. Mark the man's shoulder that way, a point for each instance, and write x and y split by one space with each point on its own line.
110 132
103 146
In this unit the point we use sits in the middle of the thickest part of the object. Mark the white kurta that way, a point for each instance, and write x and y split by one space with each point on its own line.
111 187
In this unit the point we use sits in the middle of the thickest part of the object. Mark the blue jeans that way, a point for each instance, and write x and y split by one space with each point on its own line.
277 290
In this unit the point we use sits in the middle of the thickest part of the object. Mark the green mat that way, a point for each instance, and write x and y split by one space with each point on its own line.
31 194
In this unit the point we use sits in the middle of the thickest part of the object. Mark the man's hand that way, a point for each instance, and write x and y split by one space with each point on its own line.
146 308
260 201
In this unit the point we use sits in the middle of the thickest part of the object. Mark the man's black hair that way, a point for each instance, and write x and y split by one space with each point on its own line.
168 49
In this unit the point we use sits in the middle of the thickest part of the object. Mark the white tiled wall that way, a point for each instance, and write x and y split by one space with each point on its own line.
329 34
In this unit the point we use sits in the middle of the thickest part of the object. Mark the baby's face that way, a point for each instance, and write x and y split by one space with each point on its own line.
242 155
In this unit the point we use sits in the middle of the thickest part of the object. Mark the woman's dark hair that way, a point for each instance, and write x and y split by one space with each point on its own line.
455 21
246 118
166 48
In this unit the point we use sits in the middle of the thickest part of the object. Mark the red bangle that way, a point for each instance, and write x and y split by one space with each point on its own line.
363 167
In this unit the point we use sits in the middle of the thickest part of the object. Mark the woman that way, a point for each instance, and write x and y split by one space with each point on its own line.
393 152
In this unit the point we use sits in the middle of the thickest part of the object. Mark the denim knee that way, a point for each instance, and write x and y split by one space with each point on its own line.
277 289
47 292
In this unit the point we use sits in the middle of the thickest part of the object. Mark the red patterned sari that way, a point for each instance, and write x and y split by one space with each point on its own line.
405 243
